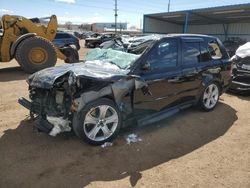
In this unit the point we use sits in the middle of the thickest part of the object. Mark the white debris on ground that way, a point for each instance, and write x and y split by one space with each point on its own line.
133 138
107 144
60 125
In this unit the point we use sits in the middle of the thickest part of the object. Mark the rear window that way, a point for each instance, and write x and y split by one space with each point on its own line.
62 35
214 50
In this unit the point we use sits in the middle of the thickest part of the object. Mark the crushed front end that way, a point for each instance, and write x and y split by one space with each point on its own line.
241 75
52 108
58 93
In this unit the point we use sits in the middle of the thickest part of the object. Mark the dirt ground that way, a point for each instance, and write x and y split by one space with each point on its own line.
191 149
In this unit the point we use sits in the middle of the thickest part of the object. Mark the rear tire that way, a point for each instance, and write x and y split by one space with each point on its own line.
35 53
210 97
71 54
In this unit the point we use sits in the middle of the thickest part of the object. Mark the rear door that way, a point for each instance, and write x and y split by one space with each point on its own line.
163 76
191 57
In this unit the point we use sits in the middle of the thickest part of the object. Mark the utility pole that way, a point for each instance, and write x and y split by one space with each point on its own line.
116 10
168 5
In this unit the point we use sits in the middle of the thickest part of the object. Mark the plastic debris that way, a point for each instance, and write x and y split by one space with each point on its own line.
107 144
60 125
133 138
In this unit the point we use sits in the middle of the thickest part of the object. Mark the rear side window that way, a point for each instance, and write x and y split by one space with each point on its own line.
196 52
191 52
205 55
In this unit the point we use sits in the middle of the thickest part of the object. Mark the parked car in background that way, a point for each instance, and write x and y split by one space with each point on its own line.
120 44
96 41
89 34
241 70
63 39
111 88
77 34
232 44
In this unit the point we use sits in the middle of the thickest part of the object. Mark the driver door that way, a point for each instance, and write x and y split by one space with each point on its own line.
162 76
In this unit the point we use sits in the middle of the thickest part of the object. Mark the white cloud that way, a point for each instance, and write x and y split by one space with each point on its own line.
73 19
80 19
66 1
5 11
95 18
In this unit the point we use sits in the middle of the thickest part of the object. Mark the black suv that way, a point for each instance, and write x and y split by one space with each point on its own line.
112 88
96 41
63 39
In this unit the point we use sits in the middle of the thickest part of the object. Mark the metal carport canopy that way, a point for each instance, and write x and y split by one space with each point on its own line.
215 15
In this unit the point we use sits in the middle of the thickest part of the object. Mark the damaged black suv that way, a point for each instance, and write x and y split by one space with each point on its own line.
110 89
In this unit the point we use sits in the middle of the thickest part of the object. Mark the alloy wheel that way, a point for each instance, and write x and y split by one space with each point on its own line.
211 96
100 122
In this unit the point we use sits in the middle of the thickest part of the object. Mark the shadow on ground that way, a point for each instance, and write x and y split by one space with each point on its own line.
12 73
30 158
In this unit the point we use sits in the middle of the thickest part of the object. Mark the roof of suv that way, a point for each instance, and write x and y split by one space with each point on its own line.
184 35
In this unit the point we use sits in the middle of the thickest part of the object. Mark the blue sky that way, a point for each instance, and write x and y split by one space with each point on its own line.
88 11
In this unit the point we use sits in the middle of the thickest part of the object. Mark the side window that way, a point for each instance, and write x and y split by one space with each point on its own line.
191 52
165 55
205 55
65 35
61 35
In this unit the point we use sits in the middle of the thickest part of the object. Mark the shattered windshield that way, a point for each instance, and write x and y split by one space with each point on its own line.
121 59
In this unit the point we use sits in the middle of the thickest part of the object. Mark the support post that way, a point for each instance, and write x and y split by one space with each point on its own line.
225 27
186 23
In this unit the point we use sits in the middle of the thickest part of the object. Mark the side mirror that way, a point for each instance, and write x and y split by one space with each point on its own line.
146 66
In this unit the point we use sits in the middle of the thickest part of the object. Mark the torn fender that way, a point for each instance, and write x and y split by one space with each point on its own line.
117 90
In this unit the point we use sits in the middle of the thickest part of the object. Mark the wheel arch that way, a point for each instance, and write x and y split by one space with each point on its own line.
18 41
207 80
213 79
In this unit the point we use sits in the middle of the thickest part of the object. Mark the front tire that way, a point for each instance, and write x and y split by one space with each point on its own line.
98 122
35 53
209 97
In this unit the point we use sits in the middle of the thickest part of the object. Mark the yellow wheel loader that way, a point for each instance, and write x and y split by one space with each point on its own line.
30 43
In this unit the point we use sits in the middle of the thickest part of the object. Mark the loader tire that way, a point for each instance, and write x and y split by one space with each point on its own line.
35 53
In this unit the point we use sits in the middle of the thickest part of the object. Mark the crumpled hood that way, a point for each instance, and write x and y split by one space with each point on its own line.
97 69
